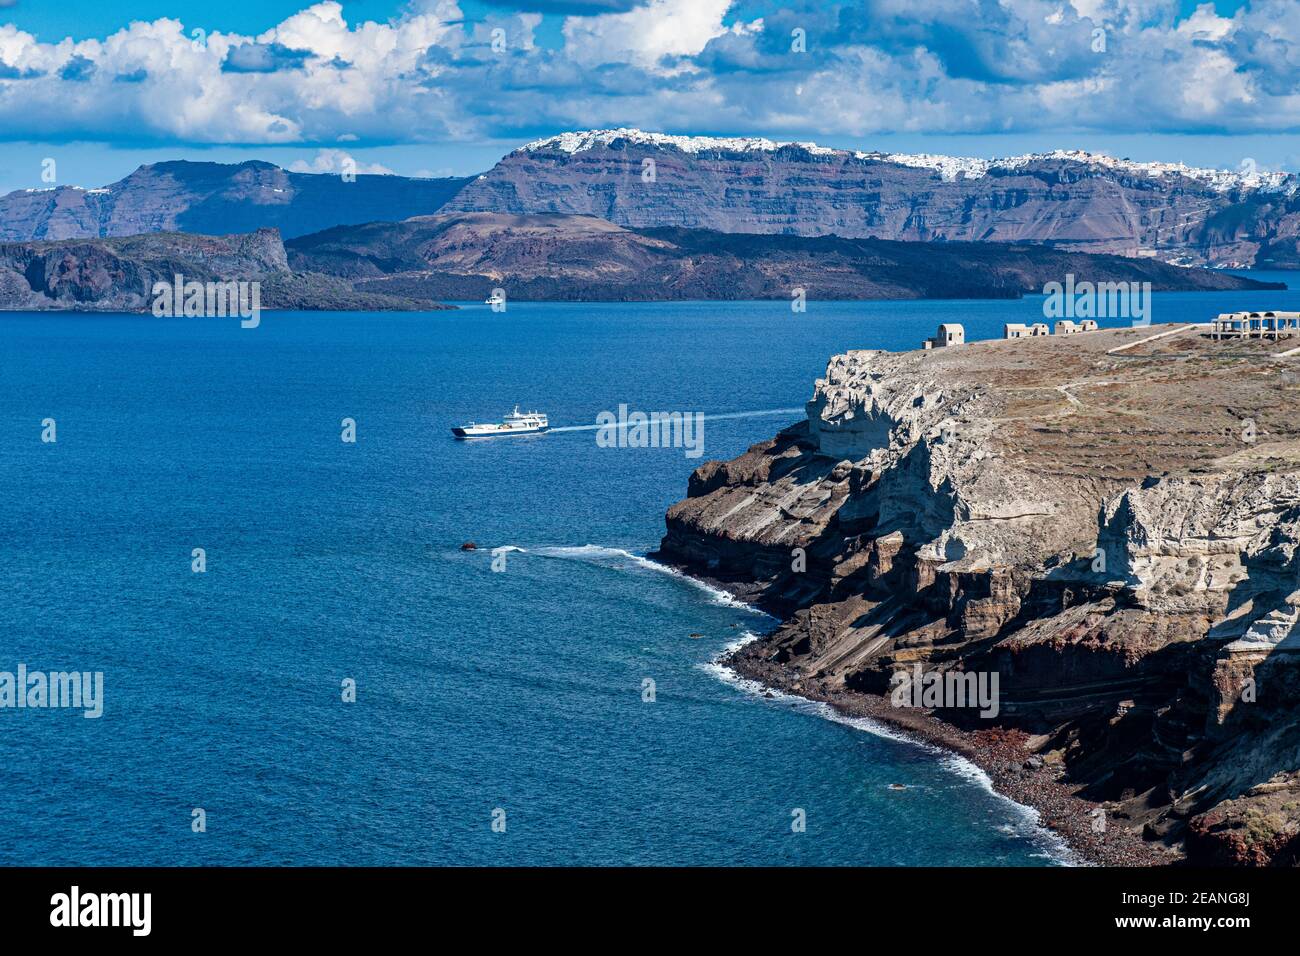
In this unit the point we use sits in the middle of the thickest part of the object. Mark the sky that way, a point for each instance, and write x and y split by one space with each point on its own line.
446 87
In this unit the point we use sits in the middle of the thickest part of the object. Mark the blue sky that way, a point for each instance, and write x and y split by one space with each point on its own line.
441 87
86 19
83 20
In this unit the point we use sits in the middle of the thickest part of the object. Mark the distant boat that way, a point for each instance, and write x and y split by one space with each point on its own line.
516 423
494 300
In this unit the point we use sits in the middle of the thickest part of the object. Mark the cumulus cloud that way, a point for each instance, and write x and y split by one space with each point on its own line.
338 161
859 67
646 34
262 58
582 7
77 68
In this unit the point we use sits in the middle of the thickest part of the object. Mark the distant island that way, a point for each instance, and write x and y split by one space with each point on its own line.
581 258
120 274
624 215
418 263
1068 199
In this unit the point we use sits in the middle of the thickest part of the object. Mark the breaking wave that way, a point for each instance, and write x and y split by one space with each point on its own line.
610 557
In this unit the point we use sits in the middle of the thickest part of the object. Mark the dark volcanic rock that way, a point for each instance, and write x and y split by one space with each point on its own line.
119 274
1069 519
576 258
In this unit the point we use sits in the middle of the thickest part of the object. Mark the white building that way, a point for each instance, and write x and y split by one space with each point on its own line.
1016 330
950 333
1255 325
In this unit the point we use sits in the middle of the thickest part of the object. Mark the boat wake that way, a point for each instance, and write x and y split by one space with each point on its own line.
1027 822
764 413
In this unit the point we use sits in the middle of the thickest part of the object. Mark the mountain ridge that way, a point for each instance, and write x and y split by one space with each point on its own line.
575 258
1070 199
576 141
215 199
1067 199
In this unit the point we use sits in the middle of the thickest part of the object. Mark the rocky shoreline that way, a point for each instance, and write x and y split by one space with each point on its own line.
1010 766
1060 522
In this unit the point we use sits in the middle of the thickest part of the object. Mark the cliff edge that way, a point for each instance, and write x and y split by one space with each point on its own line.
1109 537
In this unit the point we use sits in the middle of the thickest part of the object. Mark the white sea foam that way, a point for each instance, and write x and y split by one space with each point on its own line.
1026 822
598 554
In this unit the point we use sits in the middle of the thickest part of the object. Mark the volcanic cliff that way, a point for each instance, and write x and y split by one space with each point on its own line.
118 274
582 258
1067 198
1107 521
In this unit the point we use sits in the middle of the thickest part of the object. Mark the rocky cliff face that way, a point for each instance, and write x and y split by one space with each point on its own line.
1070 200
557 257
118 275
1073 200
216 199
1113 534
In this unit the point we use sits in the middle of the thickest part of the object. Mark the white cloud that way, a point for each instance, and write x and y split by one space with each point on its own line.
1205 24
644 35
338 161
946 66
153 80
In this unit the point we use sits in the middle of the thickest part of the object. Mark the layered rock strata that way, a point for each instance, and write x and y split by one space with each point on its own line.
1110 533
1068 199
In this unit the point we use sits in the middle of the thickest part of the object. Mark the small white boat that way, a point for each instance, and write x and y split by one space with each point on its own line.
494 300
516 423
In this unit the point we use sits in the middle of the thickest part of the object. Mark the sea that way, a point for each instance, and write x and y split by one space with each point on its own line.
300 664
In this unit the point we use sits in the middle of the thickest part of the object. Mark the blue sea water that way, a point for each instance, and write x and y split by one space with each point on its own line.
519 690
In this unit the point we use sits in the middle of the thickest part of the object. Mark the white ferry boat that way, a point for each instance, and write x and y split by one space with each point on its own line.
516 423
